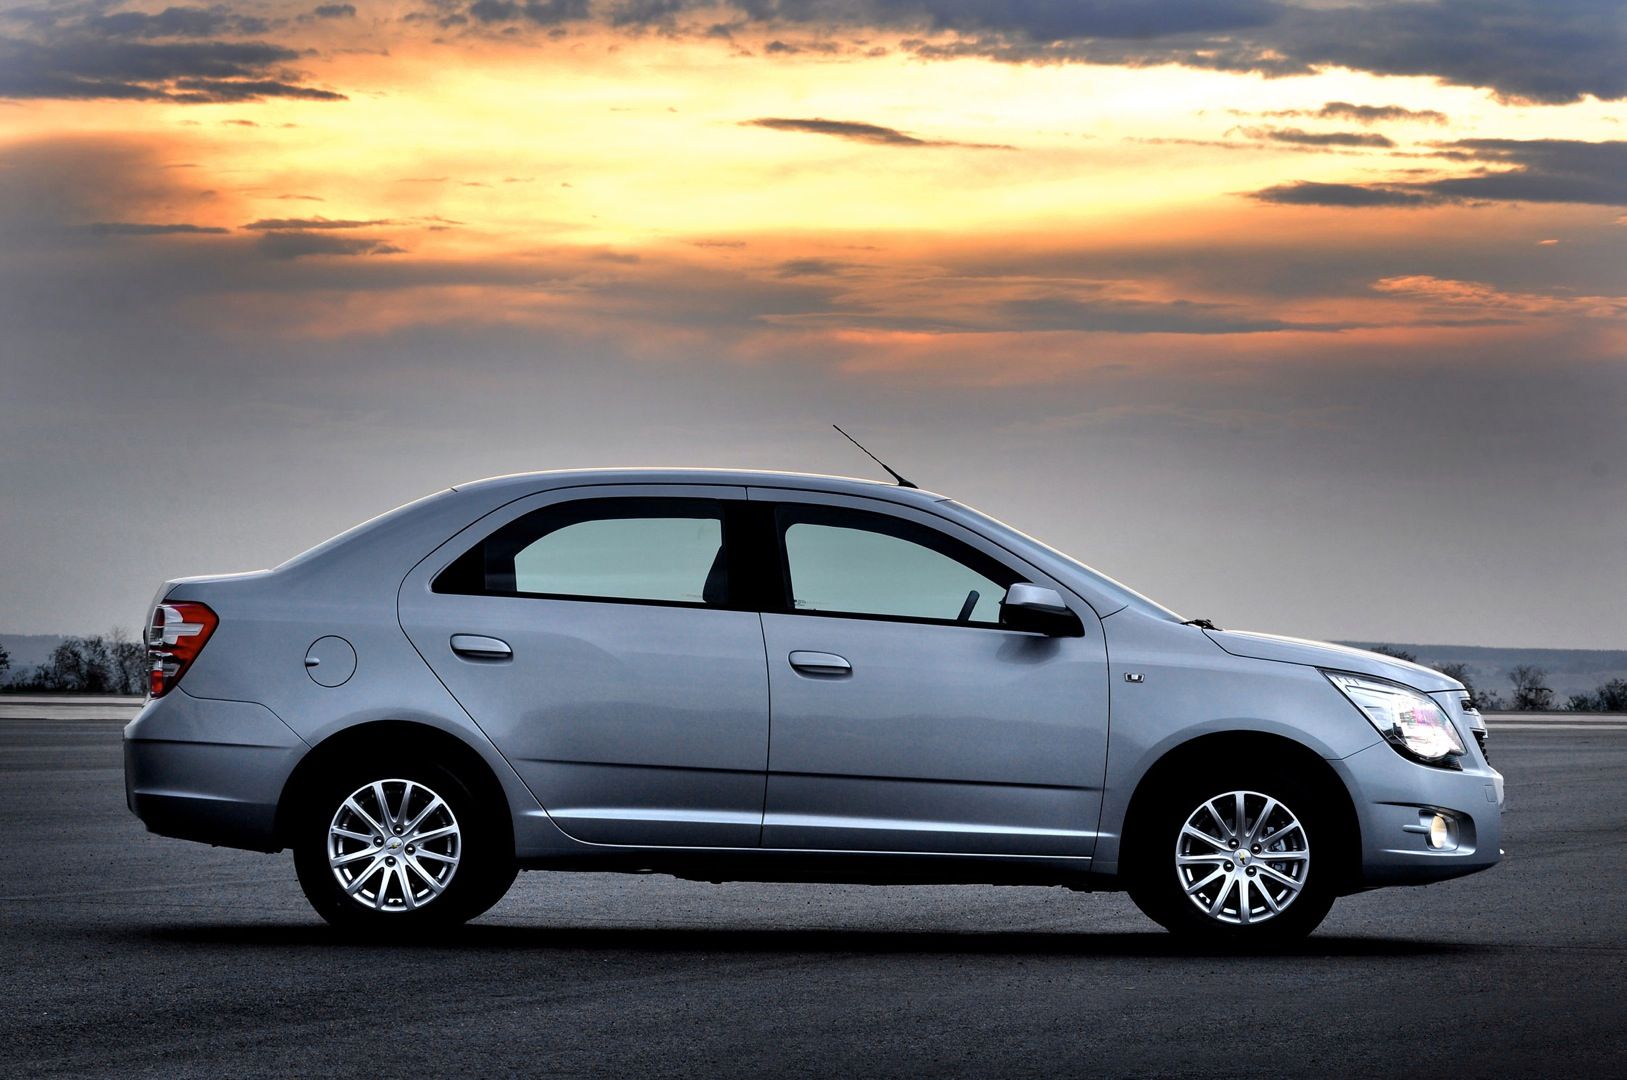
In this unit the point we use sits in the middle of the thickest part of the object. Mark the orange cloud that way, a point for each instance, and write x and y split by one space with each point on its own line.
1480 296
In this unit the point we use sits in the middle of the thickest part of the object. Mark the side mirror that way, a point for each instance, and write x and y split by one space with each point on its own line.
1036 609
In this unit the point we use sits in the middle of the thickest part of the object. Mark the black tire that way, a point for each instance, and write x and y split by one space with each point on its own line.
483 848
1162 889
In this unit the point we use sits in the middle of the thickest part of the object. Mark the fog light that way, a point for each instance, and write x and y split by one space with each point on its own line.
1440 833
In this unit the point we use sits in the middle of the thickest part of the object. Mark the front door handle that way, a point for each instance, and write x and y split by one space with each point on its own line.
479 647
820 663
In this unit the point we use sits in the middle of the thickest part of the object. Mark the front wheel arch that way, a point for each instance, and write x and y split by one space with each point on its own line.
1208 750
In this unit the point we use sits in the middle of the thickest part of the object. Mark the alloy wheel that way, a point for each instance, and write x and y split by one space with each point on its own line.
1242 858
394 845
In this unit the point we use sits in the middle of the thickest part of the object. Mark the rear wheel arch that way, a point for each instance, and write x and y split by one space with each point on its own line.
1211 752
398 737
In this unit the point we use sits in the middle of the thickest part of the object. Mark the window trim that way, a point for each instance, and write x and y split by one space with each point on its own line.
781 590
727 539
754 551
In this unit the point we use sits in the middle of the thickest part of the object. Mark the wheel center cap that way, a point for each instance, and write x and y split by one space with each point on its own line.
393 843
1242 857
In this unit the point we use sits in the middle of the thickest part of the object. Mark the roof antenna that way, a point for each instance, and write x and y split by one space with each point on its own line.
890 472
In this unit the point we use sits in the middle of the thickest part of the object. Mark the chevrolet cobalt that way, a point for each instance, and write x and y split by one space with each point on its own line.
778 677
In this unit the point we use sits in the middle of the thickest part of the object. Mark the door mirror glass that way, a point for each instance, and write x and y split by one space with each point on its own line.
1039 610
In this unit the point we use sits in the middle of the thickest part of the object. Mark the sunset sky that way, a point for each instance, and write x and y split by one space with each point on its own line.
1305 317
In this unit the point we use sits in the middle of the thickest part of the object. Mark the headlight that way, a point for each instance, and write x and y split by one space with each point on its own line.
1411 721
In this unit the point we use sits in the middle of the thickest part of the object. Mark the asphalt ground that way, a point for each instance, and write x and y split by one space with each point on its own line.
126 954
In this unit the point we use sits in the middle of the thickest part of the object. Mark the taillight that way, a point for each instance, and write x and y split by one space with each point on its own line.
178 634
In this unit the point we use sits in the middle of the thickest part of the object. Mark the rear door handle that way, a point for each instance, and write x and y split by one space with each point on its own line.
479 647
820 663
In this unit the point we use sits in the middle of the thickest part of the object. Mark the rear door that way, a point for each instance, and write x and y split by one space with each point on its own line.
591 633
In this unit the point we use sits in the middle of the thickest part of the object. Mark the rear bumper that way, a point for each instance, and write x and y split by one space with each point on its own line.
209 770
1395 798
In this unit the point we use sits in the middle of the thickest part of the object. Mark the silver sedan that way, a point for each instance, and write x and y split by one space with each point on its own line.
779 677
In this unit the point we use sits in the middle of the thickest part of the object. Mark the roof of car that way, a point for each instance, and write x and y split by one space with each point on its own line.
734 477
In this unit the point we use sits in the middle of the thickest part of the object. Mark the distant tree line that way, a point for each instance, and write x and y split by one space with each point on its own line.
1528 690
111 663
1611 697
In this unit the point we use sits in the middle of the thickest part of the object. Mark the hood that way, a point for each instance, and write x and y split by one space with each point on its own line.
1322 654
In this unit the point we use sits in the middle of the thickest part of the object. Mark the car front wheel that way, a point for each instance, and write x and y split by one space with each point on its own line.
1236 862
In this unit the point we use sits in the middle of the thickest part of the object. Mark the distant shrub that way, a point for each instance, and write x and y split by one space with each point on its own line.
1530 695
1611 697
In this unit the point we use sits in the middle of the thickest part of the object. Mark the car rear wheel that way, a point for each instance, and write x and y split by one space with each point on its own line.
398 845
1245 858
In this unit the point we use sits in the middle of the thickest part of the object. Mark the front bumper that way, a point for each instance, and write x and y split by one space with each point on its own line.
209 770
1394 797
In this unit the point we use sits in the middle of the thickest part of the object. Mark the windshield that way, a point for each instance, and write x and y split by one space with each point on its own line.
1019 539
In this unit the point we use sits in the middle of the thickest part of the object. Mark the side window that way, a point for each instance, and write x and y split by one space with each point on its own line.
639 549
856 562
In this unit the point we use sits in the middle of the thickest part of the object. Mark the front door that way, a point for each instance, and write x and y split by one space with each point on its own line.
906 717
590 634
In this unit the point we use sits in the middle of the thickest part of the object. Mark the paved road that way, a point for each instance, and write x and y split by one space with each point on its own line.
126 954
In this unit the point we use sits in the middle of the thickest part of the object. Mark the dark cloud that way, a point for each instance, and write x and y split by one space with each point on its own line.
127 70
1324 138
1121 316
144 228
134 56
1549 51
1360 114
1311 193
859 131
793 48
842 129
295 245
646 12
194 22
1213 53
1029 20
1058 20
1513 170
316 223
222 91
811 267
1373 114
1540 170
334 11
539 12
